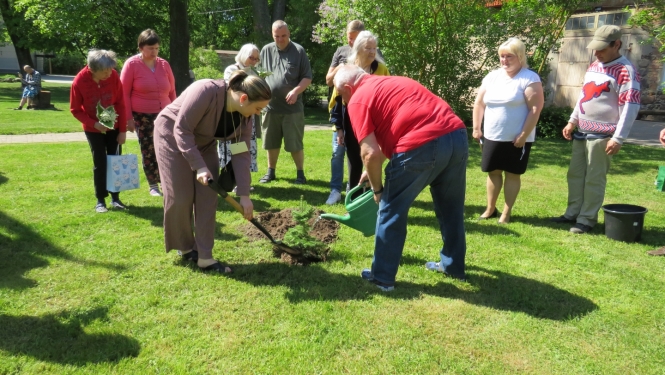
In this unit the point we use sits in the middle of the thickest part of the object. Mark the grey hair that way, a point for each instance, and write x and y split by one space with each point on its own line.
279 24
245 52
360 43
348 74
101 59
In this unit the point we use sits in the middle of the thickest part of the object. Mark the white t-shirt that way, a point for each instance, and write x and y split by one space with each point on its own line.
505 104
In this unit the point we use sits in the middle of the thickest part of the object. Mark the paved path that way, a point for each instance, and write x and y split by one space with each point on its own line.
80 136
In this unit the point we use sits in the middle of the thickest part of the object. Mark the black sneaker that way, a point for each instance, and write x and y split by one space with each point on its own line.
18 108
118 205
580 228
267 178
561 219
300 180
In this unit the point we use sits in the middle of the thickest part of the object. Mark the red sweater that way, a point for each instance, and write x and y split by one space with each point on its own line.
147 91
86 93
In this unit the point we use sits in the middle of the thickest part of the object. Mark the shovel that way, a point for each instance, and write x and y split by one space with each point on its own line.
215 186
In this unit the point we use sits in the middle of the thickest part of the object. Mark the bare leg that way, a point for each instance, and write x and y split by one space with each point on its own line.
510 191
273 155
23 100
494 184
298 159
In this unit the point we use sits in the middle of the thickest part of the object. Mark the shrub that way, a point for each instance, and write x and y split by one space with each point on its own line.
67 64
552 121
205 63
207 72
314 94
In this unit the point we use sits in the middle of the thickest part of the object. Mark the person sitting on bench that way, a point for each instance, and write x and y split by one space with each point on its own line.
33 85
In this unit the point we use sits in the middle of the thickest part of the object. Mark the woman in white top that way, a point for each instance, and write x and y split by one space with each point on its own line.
510 100
246 59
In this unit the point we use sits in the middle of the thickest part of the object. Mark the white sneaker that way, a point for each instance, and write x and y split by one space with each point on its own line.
155 192
335 196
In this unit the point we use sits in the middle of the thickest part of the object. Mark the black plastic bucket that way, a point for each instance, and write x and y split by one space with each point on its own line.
624 222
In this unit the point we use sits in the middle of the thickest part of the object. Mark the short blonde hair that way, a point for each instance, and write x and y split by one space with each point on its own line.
517 48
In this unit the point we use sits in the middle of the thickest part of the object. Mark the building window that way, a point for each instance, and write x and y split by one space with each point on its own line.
595 21
618 19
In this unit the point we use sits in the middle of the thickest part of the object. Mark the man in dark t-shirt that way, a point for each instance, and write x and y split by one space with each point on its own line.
285 117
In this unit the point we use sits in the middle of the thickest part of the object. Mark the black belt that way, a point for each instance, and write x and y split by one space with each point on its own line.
584 136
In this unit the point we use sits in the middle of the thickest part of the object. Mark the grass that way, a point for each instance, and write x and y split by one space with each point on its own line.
86 293
61 120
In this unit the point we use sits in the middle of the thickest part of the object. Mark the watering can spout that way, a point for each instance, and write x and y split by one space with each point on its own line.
342 219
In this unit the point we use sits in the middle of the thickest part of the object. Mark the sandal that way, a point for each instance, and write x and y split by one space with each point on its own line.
217 267
192 255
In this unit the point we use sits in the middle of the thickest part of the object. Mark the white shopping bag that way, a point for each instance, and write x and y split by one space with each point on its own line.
122 172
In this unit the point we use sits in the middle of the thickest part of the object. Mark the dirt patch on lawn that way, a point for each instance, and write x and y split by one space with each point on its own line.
278 223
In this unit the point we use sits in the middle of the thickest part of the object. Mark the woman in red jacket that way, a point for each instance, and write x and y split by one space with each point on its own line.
98 82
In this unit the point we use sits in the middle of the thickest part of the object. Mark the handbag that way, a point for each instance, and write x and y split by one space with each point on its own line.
227 177
122 172
660 179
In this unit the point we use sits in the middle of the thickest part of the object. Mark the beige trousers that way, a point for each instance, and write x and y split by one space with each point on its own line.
587 177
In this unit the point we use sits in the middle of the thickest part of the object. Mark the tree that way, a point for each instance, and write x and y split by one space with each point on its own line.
650 16
262 22
78 25
17 28
179 44
449 45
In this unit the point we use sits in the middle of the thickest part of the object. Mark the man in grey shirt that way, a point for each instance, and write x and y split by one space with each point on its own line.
285 117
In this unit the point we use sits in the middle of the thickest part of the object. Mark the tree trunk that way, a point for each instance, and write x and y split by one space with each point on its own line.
262 22
278 10
179 44
15 22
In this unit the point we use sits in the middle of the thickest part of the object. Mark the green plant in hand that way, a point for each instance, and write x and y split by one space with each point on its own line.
298 237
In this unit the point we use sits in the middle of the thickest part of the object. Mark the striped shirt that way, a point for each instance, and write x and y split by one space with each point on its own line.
610 99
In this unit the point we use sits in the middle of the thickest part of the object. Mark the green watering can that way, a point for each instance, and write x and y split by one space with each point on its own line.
361 212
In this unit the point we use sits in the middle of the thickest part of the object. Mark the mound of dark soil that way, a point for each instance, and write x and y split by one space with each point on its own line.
278 223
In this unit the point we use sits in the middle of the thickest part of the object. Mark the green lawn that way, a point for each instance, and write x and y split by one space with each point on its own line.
61 120
87 293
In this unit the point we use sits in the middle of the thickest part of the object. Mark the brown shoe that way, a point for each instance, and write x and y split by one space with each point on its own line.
657 252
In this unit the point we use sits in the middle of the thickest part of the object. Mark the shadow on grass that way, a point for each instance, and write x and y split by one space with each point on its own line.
3 179
632 158
495 289
60 338
294 192
156 217
22 249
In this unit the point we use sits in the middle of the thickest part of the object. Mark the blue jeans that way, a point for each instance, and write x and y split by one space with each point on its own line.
441 165
336 164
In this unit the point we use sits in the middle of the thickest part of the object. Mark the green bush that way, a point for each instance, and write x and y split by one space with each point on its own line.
207 72
200 57
205 63
67 64
314 94
552 121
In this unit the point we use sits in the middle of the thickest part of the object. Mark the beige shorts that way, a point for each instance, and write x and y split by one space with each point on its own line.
291 127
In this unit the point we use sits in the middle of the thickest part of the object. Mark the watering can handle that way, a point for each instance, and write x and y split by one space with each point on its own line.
348 199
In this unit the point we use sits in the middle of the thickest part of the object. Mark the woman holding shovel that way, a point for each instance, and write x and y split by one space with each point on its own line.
186 134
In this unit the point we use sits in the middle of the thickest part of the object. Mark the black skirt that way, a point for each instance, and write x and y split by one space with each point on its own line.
505 156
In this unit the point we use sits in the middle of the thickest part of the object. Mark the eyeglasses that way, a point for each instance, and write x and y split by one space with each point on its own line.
254 58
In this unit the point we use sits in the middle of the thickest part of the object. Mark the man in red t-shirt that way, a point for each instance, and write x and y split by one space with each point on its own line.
426 145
